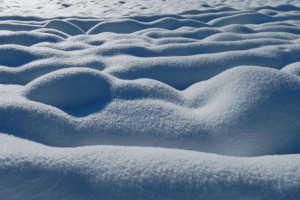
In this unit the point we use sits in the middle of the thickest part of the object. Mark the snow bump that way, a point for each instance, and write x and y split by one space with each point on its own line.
70 89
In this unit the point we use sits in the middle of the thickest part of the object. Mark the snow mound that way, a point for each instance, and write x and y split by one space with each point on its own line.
293 68
245 18
70 89
138 172
241 112
65 27
237 28
28 39
130 26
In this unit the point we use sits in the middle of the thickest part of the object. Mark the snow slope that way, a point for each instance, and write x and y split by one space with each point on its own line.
195 102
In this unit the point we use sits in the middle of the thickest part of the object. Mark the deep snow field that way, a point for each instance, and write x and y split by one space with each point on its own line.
149 99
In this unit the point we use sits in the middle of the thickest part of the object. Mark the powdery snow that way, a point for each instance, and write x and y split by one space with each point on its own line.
150 100
34 171
115 8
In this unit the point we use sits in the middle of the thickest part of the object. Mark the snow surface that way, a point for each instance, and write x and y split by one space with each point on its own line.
115 8
150 99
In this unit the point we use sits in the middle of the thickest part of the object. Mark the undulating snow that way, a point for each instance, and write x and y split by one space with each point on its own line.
150 99
116 8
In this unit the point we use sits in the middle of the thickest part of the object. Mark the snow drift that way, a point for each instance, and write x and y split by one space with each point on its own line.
109 172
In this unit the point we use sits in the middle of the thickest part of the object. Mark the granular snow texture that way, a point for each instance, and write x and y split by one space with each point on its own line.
195 102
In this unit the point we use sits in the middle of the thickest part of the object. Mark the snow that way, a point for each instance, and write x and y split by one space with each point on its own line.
115 8
70 89
149 99
109 172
